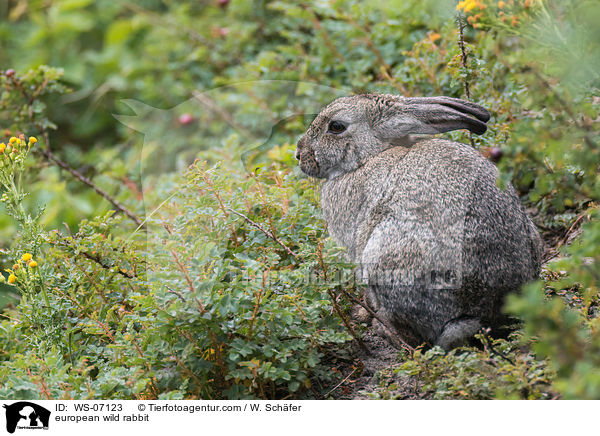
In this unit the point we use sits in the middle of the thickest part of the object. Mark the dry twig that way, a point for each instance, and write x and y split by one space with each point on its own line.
377 317
265 231
51 157
339 384
463 60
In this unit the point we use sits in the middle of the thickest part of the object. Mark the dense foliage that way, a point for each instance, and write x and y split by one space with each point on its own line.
190 260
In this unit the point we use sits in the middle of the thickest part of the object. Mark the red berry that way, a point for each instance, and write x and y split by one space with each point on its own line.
10 73
185 119
496 154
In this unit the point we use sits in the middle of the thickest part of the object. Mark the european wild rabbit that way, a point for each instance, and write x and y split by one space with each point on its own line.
438 243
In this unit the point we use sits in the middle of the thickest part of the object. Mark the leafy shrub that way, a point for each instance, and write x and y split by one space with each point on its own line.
473 374
225 304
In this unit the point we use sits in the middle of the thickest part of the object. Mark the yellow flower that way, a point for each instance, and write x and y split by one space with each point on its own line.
32 139
2 147
13 139
501 4
467 5
434 37
33 264
12 278
470 6
27 257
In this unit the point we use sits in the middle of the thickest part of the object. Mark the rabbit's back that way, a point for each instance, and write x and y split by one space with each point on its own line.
434 235
424 190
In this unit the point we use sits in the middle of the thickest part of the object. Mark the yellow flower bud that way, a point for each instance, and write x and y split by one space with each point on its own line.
13 139
33 264
27 257
32 139
16 266
12 278
2 147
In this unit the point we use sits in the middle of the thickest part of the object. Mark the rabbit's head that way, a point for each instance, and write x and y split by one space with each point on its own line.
352 129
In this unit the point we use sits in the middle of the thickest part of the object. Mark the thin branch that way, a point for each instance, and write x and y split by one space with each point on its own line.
565 238
182 268
118 206
464 56
93 257
339 384
99 262
463 60
265 231
96 259
347 324
336 307
259 296
43 387
377 317
488 344
174 292
184 271
213 106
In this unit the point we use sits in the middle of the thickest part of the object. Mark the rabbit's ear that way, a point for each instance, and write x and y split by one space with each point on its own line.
444 114
431 115
463 106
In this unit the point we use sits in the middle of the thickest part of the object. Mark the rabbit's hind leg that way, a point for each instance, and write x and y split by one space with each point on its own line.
387 324
458 332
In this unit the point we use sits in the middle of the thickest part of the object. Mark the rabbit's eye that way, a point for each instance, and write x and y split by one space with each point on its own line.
336 127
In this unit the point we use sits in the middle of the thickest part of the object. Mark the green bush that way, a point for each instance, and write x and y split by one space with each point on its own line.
473 374
227 299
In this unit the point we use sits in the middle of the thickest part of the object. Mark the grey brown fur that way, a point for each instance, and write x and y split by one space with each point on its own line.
438 243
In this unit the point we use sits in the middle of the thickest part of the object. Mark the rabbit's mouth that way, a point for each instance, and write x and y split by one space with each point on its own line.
309 165
307 160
